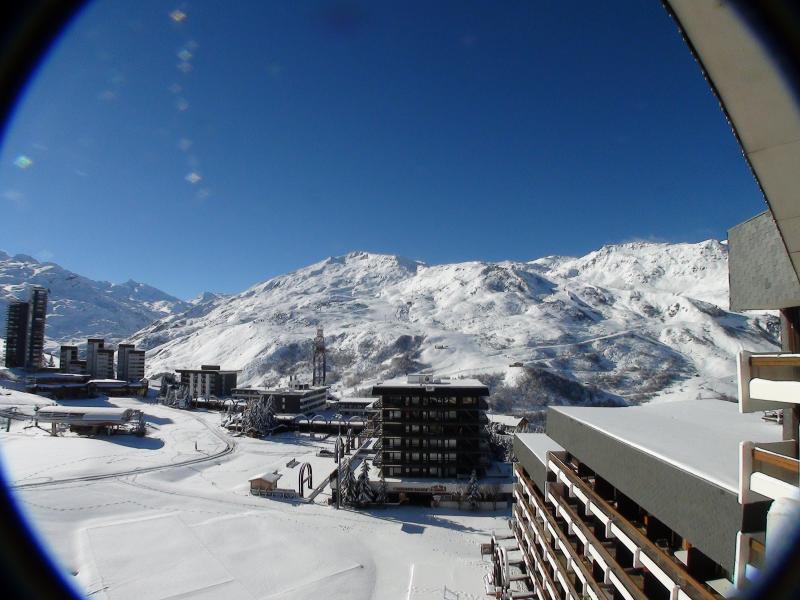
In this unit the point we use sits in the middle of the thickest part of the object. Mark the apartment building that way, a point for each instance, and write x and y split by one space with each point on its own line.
25 323
354 407
37 315
69 361
433 427
130 363
16 334
635 502
103 363
207 381
295 398
93 345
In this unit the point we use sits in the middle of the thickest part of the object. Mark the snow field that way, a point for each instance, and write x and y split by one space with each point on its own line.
196 531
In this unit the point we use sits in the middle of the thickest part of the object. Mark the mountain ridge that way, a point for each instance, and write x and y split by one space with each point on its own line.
79 307
627 322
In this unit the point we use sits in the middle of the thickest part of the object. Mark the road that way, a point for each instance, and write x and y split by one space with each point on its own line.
230 446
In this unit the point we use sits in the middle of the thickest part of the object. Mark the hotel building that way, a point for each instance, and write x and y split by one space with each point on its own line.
207 381
25 325
296 398
433 427
130 363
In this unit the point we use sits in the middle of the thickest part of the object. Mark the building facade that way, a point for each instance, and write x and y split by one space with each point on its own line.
207 381
354 407
92 347
130 363
69 361
432 427
25 324
643 502
104 364
298 398
16 334
37 315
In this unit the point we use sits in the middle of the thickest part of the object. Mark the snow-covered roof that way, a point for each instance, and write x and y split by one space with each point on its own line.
539 444
365 401
402 382
270 477
699 436
507 420
93 414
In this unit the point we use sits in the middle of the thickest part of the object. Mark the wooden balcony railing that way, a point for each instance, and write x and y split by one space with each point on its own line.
786 467
775 360
659 559
567 546
537 569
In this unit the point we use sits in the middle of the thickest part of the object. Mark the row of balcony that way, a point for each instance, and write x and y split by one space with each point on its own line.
646 556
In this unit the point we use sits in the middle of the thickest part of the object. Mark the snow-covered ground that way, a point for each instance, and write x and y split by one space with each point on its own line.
176 528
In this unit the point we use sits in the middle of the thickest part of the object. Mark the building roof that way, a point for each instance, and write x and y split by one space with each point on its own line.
402 382
507 420
86 414
215 370
287 391
698 436
364 401
539 444
271 477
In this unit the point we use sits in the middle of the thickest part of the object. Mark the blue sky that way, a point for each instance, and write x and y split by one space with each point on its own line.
220 145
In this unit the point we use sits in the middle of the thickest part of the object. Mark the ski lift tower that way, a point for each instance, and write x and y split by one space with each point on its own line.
319 362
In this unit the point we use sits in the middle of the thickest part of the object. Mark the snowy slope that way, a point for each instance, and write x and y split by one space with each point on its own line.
625 323
80 307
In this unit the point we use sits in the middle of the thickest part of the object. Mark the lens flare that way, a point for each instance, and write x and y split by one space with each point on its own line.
23 162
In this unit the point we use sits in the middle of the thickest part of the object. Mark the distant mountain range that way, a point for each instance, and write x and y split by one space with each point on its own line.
626 323
80 307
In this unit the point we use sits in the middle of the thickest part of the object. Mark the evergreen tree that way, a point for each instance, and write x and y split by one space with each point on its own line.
473 491
350 487
364 493
381 497
259 416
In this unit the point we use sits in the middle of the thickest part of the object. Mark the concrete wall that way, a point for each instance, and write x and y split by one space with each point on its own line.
531 463
761 274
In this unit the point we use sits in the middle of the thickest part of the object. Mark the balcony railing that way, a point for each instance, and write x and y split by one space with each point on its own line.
528 539
614 574
750 556
574 561
768 469
768 381
667 571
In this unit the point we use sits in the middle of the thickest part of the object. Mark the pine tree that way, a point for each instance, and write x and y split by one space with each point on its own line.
364 493
473 491
381 497
349 490
259 416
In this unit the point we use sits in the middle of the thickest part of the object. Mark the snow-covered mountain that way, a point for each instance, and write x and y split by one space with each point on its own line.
79 307
625 323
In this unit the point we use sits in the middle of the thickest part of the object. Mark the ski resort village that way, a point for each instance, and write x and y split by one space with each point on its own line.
372 427
445 416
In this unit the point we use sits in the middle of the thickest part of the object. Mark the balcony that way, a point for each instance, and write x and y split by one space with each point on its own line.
646 555
544 522
768 471
768 381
